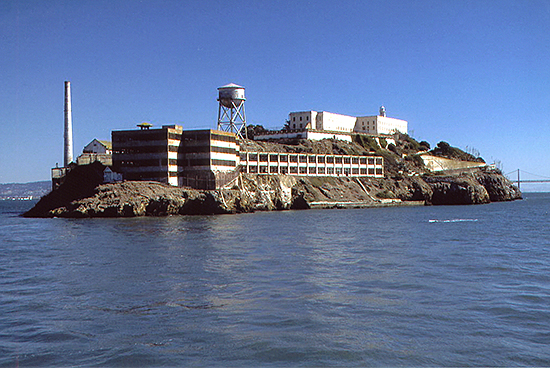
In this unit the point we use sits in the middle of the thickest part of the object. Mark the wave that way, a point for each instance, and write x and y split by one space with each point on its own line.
453 220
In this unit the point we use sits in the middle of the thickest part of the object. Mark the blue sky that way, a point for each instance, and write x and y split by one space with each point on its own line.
472 73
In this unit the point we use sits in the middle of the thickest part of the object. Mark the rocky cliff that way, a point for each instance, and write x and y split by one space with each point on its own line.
249 193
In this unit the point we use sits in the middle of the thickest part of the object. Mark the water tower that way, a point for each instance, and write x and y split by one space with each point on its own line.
231 116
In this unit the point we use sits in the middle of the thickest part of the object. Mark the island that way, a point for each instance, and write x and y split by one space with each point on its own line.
413 174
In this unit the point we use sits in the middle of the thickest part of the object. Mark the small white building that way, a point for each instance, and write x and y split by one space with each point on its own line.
96 150
97 146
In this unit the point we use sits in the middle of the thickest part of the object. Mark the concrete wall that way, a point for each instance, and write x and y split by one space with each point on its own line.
441 164
304 134
336 122
380 125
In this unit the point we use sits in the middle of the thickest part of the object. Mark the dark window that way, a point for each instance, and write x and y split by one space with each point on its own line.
216 162
223 138
224 150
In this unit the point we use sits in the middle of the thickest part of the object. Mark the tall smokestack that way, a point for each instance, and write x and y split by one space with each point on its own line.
68 133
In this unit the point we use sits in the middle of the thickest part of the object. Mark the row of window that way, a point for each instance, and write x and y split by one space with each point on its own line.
313 171
206 162
173 162
294 118
266 157
138 135
204 149
180 149
141 149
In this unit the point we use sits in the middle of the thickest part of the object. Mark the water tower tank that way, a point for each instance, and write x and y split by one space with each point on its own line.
231 94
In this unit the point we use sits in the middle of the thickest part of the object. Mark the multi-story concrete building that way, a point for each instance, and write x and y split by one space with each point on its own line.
173 156
147 154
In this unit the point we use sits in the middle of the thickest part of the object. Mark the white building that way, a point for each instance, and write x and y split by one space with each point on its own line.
324 124
97 146
96 150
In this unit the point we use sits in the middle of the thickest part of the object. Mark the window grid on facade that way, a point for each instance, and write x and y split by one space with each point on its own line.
311 164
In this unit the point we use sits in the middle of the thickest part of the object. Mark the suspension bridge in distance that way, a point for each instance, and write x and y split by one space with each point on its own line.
518 180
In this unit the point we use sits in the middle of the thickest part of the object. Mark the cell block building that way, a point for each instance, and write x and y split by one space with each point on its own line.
311 164
173 156
319 125
147 154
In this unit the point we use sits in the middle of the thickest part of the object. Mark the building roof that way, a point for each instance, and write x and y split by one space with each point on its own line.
231 85
107 144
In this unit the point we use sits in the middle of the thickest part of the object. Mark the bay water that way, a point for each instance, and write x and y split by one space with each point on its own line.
405 286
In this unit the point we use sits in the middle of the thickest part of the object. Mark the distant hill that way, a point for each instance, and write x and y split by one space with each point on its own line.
25 190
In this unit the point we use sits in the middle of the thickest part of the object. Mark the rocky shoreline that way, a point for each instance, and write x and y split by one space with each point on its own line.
84 195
